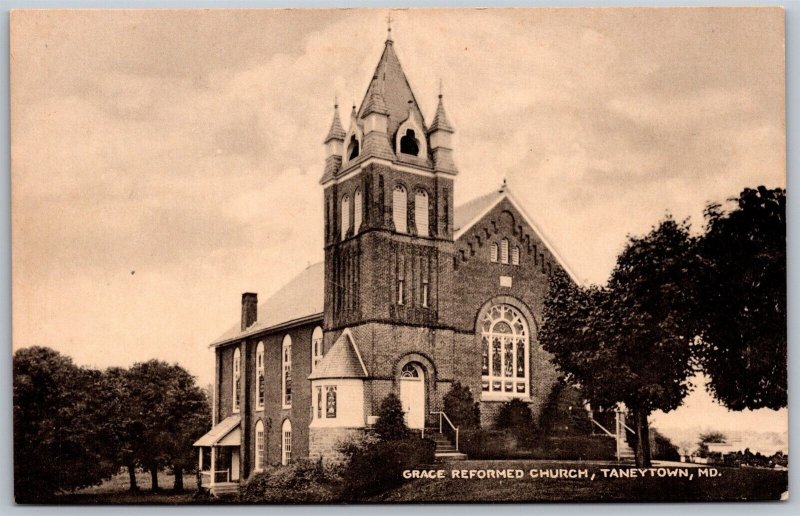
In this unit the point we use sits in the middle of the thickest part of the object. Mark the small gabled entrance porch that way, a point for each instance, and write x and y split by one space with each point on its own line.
218 456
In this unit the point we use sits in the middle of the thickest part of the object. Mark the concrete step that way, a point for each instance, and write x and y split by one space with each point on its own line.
449 456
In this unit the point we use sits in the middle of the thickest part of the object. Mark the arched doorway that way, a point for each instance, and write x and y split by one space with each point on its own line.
412 394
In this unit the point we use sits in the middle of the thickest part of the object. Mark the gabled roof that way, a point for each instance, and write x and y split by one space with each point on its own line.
342 361
302 297
226 433
475 210
390 85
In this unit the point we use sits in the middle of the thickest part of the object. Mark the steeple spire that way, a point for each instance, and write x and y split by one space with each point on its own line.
389 21
336 131
440 121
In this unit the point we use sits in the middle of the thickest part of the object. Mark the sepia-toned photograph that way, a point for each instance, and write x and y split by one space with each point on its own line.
326 256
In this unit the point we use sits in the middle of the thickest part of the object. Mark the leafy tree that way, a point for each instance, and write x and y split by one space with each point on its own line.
391 424
56 426
461 407
630 342
707 438
173 412
743 300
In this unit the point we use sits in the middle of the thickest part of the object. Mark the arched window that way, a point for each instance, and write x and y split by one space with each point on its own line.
345 216
259 446
286 377
409 143
400 209
261 386
493 256
505 339
316 347
421 212
504 250
515 255
357 208
237 379
353 148
286 440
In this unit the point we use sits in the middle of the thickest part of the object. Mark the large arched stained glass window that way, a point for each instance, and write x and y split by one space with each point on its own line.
505 341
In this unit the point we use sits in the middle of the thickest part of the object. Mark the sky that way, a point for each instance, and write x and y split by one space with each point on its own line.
164 162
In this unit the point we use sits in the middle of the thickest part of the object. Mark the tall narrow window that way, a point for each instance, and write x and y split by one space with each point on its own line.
259 465
357 207
330 401
515 255
345 216
319 402
287 371
286 432
400 209
425 292
421 212
316 347
401 280
260 380
504 250
237 379
493 256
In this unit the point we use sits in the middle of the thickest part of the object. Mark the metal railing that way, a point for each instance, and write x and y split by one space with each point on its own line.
442 418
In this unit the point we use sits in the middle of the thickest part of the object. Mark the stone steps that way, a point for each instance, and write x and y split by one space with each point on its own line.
445 449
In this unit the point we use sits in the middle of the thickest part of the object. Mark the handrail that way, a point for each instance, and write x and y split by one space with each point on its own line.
454 427
604 429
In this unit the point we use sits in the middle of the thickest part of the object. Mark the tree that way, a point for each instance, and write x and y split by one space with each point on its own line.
391 424
707 438
461 407
742 298
172 411
631 342
56 426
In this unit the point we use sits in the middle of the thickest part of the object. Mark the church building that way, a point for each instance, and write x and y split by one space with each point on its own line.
414 294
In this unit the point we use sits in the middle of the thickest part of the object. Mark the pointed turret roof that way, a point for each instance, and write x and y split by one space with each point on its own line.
337 131
389 84
341 361
440 121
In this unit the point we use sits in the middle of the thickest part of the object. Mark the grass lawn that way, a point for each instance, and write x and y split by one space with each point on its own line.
115 491
732 484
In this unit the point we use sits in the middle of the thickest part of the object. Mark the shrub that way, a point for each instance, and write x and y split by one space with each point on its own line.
514 414
506 444
391 425
373 466
662 448
461 407
491 444
303 481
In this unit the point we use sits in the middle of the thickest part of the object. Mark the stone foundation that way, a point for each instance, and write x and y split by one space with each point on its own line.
324 442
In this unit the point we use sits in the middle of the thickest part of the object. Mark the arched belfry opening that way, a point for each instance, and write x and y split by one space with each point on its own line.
409 143
353 148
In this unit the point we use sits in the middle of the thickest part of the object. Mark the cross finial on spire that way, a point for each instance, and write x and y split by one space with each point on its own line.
504 186
440 87
336 102
389 21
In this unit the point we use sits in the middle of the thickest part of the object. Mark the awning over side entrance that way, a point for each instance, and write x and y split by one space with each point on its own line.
227 433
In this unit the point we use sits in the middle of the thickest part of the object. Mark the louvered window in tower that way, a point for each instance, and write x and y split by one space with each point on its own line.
504 250
493 256
421 212
515 255
345 216
400 209
357 207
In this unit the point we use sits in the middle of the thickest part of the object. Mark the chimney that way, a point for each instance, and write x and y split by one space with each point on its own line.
249 309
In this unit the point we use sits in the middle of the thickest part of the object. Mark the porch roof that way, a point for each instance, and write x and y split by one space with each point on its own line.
226 433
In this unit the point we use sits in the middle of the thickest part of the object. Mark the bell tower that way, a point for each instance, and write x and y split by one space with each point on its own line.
388 194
